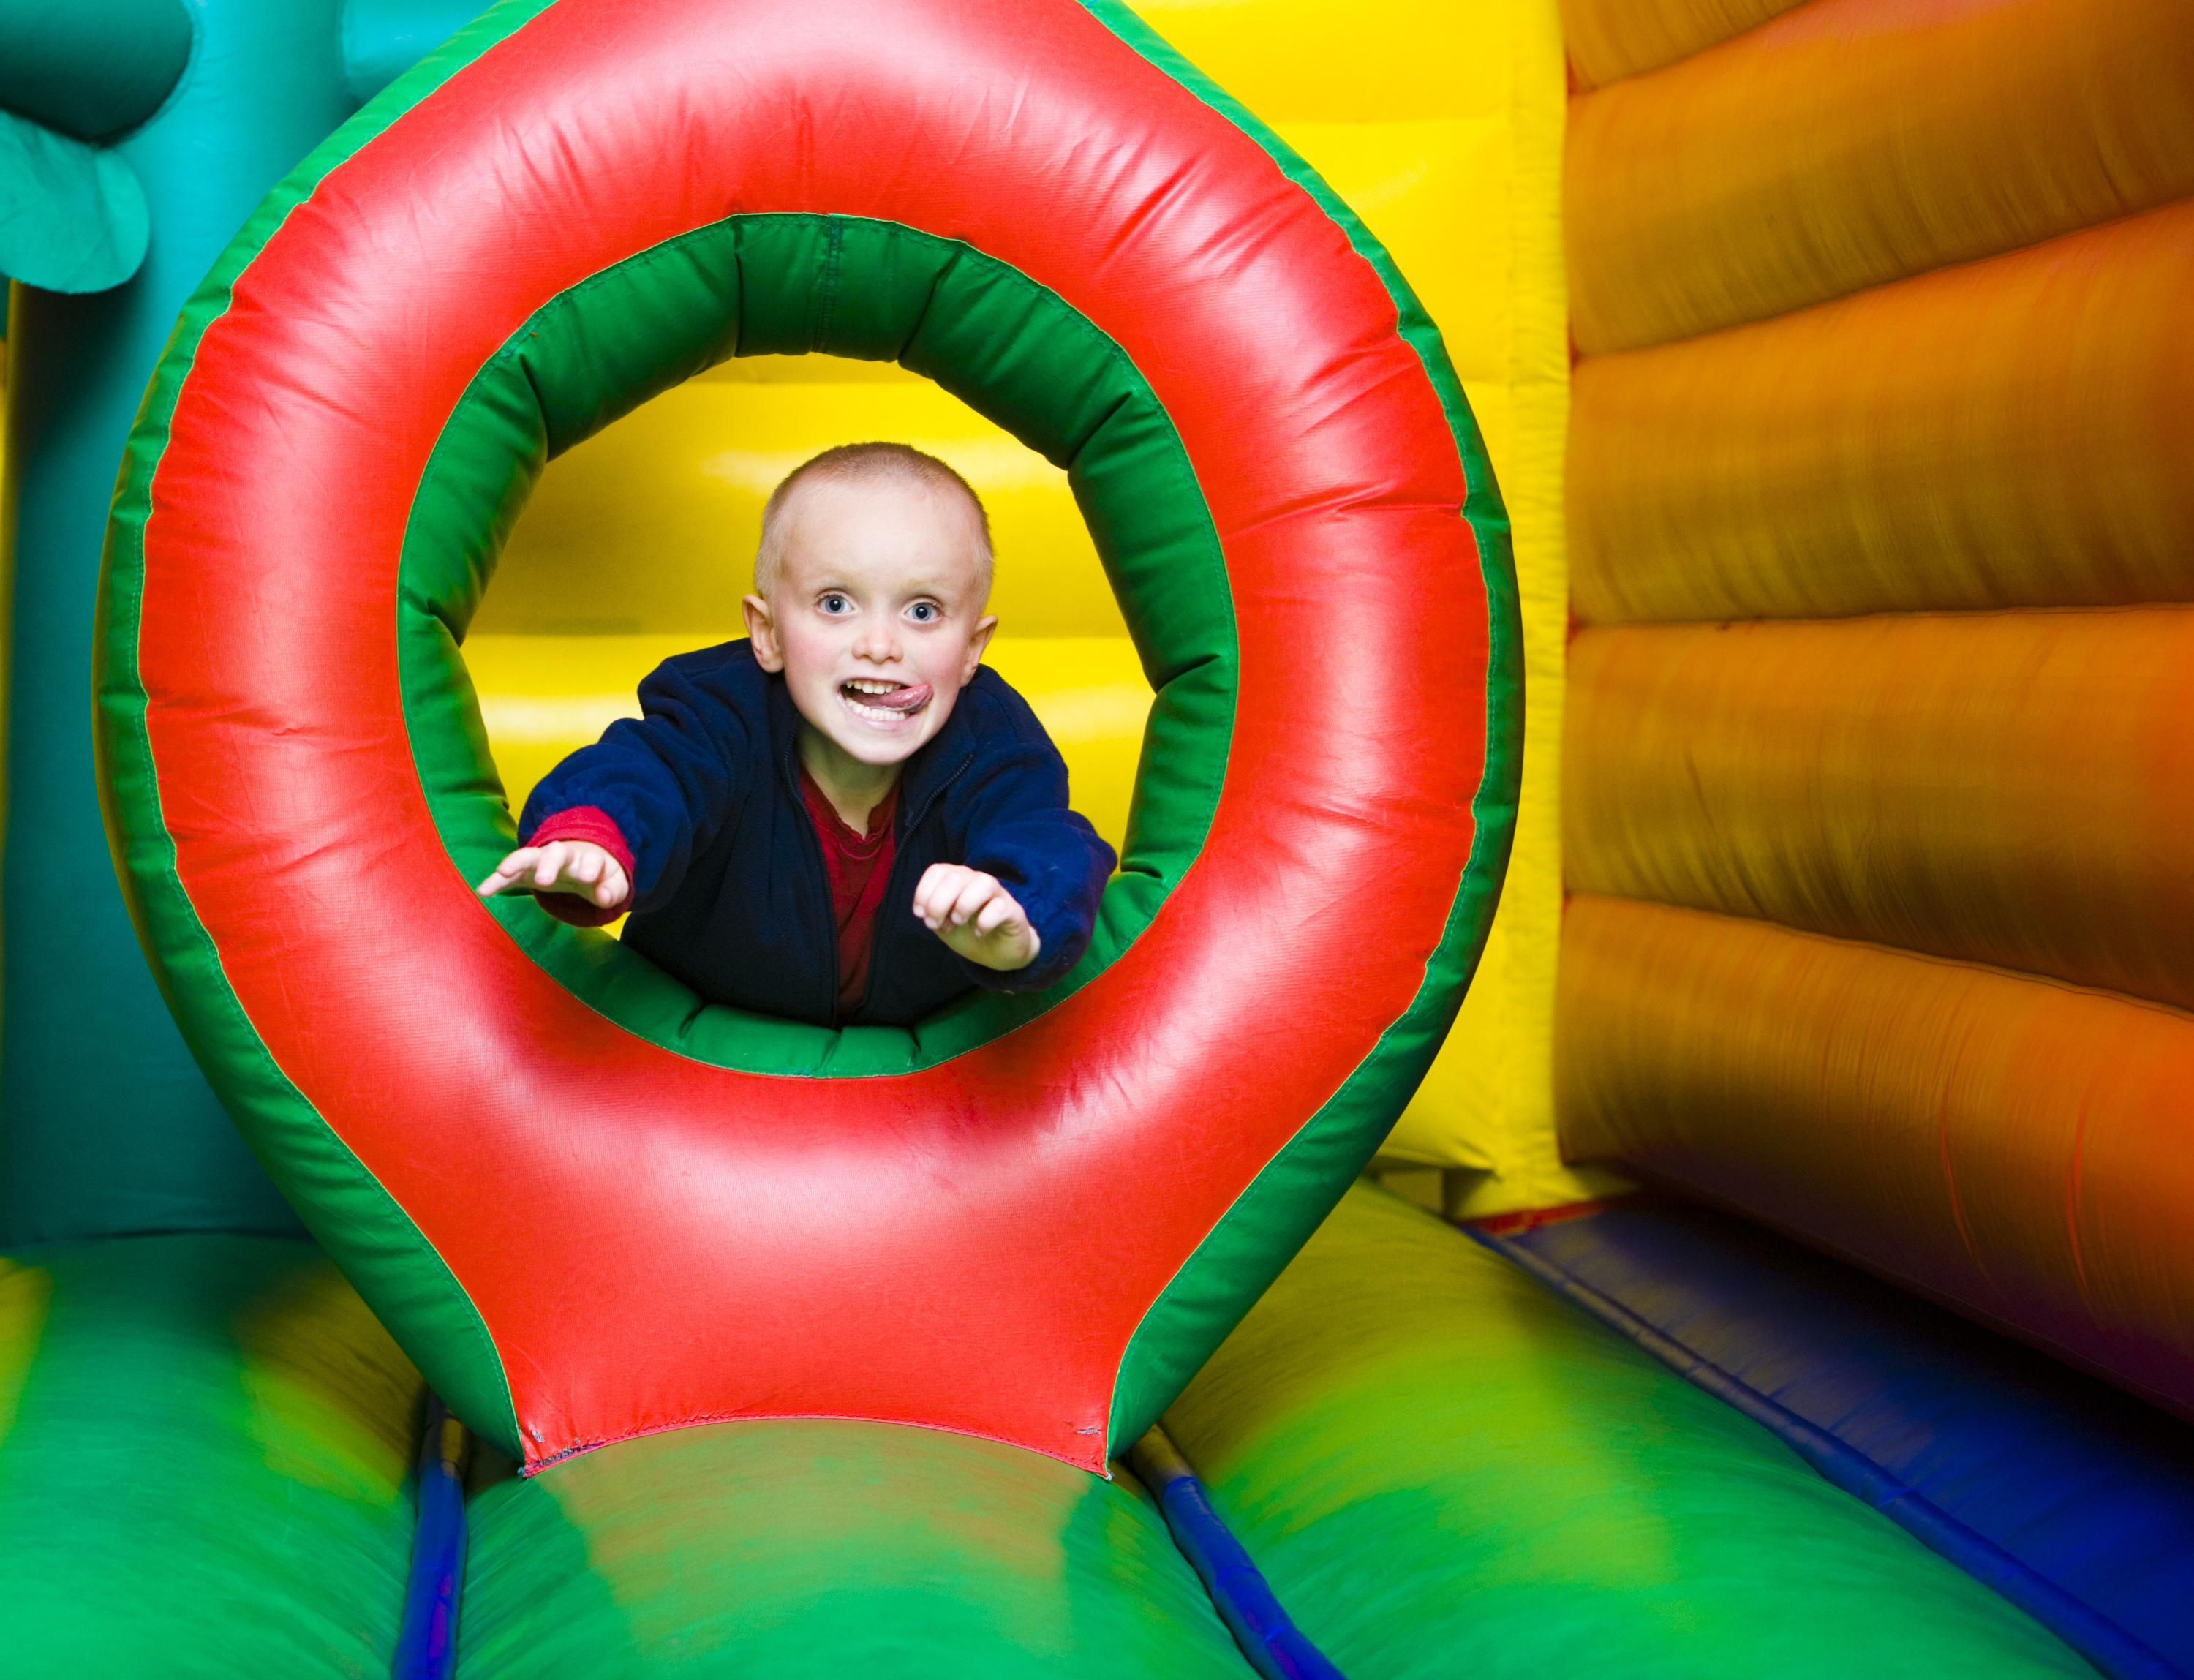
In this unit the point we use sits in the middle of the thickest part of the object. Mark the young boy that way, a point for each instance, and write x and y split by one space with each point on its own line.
843 818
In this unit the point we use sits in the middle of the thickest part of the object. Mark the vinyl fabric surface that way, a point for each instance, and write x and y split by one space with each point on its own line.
703 1214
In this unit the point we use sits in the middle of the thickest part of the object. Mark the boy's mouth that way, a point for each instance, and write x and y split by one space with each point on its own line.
882 699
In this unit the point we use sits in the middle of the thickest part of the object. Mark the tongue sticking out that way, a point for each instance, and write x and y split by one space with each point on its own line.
908 697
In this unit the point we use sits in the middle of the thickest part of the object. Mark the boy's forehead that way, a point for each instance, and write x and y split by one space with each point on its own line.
882 528
825 500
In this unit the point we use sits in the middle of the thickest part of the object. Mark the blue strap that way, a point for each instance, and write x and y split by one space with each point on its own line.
1276 1648
427 1643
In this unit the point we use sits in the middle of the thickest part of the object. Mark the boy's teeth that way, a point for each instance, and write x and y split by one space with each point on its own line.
886 699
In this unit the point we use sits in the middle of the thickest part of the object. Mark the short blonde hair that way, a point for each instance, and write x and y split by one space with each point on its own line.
854 463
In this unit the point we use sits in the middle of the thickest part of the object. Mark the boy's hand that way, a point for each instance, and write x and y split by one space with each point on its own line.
579 867
976 916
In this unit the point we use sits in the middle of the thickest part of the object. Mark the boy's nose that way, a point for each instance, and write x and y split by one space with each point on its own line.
878 641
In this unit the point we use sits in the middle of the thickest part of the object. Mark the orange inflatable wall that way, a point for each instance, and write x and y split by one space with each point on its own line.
1878 818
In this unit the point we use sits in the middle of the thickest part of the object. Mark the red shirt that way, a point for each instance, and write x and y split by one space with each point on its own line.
859 868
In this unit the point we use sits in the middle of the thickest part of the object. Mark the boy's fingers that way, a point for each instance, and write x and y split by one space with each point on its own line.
973 897
940 886
996 914
575 867
506 872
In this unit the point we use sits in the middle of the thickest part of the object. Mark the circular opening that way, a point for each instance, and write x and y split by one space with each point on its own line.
1015 352
638 543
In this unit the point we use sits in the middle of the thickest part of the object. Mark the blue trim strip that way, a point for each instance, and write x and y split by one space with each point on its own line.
1276 1648
427 1643
2101 1641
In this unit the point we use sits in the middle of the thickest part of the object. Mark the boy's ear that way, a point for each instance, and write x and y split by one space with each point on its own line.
979 640
762 628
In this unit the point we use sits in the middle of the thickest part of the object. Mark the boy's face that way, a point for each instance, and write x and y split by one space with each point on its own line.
876 614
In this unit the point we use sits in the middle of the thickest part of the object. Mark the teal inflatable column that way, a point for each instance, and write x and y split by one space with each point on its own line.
106 1127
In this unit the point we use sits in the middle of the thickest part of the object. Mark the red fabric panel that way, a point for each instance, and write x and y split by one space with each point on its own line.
669 1241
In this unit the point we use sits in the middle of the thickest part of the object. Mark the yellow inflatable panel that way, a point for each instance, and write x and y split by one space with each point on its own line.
2012 788
649 527
2011 433
1852 142
2013 1147
1297 60
1611 39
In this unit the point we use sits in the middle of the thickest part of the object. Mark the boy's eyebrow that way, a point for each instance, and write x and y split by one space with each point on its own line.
926 586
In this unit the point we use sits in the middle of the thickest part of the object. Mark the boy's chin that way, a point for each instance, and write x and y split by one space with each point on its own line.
881 748
894 753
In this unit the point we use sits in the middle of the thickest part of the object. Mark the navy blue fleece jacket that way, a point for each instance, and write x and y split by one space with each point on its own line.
729 889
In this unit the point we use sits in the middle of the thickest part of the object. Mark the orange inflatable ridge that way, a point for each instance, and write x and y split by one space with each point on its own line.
2012 1148
2011 433
1852 142
2011 788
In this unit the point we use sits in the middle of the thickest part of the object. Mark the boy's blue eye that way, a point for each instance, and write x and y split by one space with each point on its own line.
922 612
835 603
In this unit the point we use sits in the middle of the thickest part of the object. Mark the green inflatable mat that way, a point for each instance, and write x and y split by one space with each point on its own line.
829 1550
1444 1468
205 1461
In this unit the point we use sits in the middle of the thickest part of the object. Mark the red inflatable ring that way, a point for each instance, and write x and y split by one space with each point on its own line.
588 1205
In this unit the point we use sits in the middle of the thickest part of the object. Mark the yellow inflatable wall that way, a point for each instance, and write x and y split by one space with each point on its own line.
1442 124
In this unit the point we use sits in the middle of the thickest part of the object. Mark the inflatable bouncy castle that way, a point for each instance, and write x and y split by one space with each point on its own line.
1615 573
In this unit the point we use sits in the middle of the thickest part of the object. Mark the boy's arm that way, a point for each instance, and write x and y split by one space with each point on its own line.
1055 864
652 792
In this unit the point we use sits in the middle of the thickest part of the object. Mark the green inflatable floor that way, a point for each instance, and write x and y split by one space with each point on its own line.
205 1443
1444 1470
828 1550
204 1448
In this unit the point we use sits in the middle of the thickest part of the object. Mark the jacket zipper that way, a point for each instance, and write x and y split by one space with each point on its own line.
821 875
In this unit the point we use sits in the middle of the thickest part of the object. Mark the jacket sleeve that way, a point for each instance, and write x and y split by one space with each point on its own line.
669 779
1020 829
